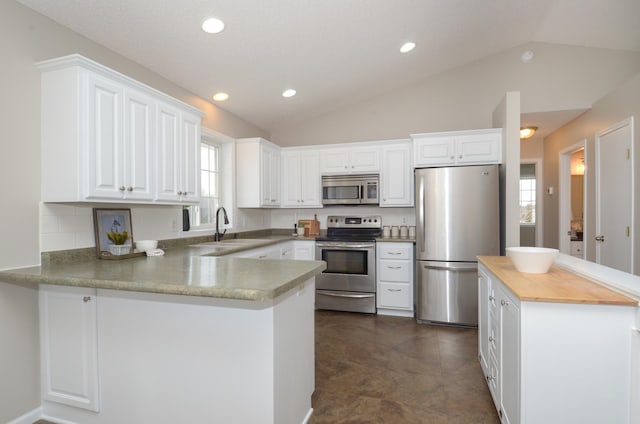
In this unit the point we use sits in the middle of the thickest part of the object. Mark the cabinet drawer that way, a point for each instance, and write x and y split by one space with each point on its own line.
394 295
395 271
401 251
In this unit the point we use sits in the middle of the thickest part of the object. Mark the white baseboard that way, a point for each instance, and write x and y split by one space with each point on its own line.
28 418
56 420
308 416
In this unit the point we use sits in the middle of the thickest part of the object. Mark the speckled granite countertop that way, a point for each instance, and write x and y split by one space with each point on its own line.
191 271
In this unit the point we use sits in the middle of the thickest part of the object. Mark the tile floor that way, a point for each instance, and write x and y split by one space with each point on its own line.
380 369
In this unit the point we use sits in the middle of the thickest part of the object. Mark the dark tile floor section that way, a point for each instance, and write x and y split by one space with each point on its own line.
380 369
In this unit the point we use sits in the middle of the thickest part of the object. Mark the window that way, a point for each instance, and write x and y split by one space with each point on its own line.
527 200
203 215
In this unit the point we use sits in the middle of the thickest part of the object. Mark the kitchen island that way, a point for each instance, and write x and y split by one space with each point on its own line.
556 347
176 338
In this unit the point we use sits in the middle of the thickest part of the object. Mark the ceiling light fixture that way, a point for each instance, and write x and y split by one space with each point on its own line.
212 25
407 47
289 93
527 56
527 132
220 97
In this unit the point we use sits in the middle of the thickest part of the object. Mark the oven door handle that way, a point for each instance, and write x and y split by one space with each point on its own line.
351 296
346 245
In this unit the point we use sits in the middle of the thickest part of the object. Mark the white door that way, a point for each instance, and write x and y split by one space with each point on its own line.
310 180
139 127
614 197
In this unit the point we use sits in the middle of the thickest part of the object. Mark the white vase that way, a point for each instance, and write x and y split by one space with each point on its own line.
120 249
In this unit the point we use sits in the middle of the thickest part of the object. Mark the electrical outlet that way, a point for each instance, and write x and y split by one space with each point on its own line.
174 225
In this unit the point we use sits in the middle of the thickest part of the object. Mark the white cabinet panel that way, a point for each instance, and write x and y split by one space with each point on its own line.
300 179
395 278
257 173
102 133
350 160
473 147
69 343
396 175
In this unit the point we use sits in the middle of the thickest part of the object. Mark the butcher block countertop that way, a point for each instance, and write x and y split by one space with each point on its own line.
558 285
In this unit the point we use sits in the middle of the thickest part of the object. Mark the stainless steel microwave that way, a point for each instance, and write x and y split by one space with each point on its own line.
350 189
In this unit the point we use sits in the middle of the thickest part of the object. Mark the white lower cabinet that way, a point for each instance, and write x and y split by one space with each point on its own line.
553 362
69 346
395 278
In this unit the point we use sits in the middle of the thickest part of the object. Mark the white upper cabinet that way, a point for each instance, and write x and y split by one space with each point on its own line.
474 147
257 173
102 133
300 178
396 175
350 160
178 153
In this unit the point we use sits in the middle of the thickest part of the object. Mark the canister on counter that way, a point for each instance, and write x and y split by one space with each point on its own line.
386 231
404 231
412 231
395 232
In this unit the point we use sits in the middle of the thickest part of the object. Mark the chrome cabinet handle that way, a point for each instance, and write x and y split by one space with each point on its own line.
491 339
504 302
491 298
86 299
394 290
130 189
394 267
394 253
121 188
599 238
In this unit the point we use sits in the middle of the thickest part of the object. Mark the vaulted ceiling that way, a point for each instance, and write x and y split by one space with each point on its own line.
333 52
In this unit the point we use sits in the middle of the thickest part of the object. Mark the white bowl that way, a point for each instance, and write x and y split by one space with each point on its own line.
144 245
533 260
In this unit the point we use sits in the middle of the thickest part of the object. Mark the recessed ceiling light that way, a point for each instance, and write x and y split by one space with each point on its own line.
220 97
212 25
407 47
289 93
527 56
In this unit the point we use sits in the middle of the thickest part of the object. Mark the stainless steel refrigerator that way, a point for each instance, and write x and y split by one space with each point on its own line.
457 219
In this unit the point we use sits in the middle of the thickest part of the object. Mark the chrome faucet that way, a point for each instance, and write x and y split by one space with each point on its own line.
217 236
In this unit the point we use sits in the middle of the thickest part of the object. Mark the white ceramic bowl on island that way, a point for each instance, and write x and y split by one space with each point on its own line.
144 245
532 260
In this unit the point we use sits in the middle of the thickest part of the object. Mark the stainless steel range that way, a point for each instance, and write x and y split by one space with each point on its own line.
349 249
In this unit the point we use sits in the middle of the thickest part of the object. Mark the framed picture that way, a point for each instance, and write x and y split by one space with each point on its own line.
113 231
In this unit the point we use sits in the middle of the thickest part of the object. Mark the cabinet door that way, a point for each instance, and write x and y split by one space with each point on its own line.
269 178
104 142
291 180
478 148
509 371
310 180
139 132
364 160
305 250
437 150
274 178
168 131
396 177
189 164
395 296
334 161
483 322
69 346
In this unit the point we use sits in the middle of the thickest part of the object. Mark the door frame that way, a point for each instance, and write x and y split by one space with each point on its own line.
564 202
539 197
621 124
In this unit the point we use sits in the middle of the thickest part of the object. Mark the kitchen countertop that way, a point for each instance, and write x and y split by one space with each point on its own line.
191 271
396 239
558 285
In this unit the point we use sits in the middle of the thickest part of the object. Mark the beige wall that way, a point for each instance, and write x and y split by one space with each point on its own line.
25 38
560 78
612 108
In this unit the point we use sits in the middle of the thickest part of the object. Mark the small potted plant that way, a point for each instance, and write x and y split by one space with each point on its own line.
119 239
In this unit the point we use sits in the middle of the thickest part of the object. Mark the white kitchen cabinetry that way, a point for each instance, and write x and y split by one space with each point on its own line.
473 147
300 178
395 278
350 160
553 362
257 173
304 249
577 248
396 175
69 346
178 147
99 135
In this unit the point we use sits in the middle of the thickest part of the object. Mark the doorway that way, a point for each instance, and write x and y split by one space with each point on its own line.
572 192
614 186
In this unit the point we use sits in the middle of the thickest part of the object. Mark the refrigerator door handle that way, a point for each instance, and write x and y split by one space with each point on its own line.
453 268
420 236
